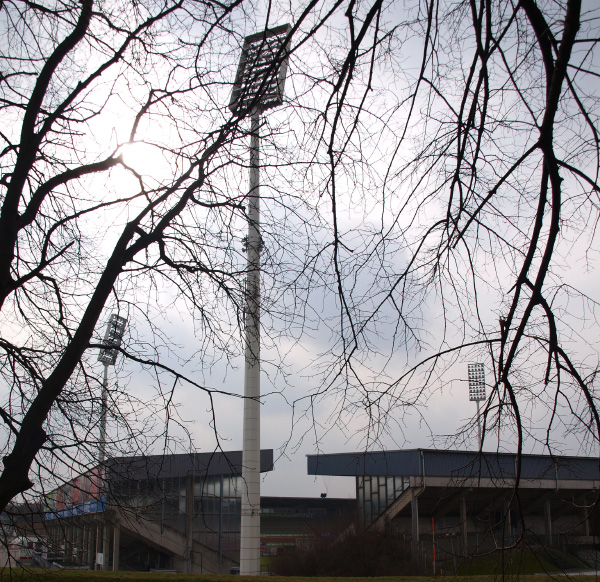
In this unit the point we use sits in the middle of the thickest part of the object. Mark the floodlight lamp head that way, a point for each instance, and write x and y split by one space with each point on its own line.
112 338
476 382
260 78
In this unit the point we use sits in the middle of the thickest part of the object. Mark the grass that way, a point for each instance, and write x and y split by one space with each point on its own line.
520 563
524 565
18 574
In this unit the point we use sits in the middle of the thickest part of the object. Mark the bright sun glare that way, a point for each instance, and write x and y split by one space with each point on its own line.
145 159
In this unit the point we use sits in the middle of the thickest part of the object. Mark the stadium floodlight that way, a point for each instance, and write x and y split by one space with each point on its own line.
112 339
262 71
108 356
477 391
258 86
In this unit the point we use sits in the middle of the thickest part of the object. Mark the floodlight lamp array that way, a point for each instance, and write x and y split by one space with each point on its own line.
113 338
260 78
476 382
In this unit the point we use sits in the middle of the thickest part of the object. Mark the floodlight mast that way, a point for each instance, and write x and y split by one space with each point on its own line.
477 392
108 356
258 86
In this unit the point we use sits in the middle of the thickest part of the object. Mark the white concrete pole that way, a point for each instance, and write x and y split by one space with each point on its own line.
102 447
250 530
479 426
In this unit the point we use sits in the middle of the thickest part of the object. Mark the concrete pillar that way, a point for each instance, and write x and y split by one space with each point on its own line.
464 530
85 532
221 520
414 506
98 547
116 544
80 542
250 524
548 522
55 549
507 525
91 546
105 546
189 523
68 529
586 520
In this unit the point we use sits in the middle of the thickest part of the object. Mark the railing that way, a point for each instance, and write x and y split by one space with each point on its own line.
38 559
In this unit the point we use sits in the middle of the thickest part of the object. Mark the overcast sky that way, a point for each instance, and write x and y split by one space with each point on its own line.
305 408
292 428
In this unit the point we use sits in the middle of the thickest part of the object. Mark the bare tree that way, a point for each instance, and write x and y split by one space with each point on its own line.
458 184
87 90
484 218
68 68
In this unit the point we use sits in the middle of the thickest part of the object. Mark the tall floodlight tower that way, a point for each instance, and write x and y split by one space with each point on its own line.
258 86
108 356
477 391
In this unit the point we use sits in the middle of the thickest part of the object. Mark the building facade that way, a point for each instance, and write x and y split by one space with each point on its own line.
175 512
158 512
447 503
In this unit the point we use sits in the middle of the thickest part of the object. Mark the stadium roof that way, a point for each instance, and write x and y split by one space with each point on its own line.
454 465
169 466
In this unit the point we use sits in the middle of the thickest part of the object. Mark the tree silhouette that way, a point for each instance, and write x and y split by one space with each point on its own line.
466 180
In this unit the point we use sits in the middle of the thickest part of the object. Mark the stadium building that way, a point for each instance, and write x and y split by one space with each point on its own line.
182 512
173 512
448 503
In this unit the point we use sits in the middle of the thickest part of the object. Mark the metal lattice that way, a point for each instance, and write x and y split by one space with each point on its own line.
113 337
260 78
476 382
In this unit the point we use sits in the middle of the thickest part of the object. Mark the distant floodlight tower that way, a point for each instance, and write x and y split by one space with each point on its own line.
108 356
477 391
258 86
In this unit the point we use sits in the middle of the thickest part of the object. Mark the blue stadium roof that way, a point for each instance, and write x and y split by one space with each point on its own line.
179 465
452 464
